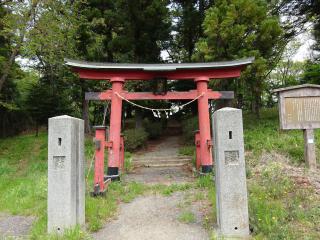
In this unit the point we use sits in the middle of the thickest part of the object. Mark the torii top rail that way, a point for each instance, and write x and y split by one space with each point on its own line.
117 74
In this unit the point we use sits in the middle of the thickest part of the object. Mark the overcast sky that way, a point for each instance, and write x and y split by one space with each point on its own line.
304 52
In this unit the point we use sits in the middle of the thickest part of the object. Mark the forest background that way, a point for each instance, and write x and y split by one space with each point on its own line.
36 36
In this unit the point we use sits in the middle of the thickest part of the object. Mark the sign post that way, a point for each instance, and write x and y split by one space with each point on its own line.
299 108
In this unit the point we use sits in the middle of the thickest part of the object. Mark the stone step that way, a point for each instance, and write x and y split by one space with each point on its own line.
160 158
161 162
164 164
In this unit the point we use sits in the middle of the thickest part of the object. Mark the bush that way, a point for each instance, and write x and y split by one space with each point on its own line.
134 138
189 126
154 129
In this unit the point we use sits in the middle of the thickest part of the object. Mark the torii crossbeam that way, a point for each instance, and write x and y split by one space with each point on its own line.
117 74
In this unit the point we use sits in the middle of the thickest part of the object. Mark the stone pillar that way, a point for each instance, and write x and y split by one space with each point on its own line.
66 181
204 125
115 129
231 188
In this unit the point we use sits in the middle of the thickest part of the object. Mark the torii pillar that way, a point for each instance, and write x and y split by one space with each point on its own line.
204 125
115 129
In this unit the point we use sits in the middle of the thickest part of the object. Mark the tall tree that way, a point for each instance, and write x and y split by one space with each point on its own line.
241 28
187 17
124 31
16 23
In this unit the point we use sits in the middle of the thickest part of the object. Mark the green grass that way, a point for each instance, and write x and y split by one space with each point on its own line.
264 135
187 150
23 186
279 207
187 217
168 190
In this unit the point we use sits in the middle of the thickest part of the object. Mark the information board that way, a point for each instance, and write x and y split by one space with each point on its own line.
301 112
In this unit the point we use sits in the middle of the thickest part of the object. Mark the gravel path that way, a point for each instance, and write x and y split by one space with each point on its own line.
166 146
15 227
154 217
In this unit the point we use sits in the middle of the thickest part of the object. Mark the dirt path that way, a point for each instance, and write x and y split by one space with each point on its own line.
15 227
154 217
158 217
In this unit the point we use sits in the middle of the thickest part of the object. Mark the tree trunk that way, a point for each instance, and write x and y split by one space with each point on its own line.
37 129
7 67
240 101
85 109
257 104
16 50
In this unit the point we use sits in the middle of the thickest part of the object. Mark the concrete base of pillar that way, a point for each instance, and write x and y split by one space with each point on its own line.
206 168
97 193
113 174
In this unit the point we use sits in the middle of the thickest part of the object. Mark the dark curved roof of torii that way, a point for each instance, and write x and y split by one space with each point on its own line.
158 67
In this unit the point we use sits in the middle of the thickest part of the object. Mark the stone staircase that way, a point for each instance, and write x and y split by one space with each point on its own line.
162 154
161 161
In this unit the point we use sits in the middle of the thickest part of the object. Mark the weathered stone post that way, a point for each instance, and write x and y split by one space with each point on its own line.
310 148
66 182
231 188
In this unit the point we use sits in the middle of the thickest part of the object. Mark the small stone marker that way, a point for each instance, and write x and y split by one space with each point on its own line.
299 108
66 182
231 187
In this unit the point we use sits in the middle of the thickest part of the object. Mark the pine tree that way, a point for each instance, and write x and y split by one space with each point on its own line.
242 28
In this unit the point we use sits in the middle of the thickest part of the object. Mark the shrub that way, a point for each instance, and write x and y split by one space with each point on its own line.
187 150
154 129
134 138
189 126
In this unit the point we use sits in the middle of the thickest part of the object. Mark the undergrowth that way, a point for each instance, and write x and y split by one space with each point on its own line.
264 135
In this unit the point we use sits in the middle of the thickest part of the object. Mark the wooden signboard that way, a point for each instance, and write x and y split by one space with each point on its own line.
299 108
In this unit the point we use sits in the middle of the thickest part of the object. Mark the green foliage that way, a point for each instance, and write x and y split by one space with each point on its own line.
187 150
23 183
312 73
134 138
274 182
187 217
241 28
169 190
189 128
278 208
154 129
205 181
70 234
189 16
265 136
128 166
124 31
49 103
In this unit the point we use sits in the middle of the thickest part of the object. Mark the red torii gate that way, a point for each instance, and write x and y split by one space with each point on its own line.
117 74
